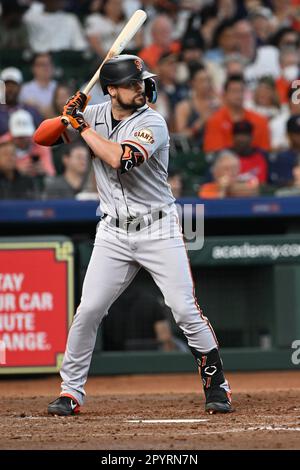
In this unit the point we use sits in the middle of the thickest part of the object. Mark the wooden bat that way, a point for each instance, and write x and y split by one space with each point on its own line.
127 33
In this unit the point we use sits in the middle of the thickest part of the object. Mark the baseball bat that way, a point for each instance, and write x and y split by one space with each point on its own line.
127 33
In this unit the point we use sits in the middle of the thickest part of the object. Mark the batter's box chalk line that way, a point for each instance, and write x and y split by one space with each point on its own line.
166 421
254 428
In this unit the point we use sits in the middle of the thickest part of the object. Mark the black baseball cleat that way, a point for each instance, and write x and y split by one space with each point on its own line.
218 400
64 406
216 388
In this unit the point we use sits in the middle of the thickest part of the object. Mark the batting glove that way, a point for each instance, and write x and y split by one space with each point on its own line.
77 121
77 101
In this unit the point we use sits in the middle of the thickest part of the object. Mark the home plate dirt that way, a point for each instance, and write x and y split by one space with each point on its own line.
153 412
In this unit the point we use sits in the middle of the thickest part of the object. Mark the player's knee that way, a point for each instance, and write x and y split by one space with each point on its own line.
181 308
90 313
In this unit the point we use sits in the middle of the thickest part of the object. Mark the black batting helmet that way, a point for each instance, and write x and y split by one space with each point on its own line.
124 68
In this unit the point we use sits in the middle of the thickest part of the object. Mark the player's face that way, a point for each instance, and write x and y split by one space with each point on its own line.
131 95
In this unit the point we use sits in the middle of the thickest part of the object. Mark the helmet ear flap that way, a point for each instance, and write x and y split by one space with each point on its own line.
150 90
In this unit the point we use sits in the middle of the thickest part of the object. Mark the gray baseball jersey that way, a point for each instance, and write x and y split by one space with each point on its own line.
144 188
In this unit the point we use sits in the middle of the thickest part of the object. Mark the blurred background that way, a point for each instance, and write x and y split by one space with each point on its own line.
228 76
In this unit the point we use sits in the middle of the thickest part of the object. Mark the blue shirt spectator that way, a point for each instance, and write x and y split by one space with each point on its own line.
281 164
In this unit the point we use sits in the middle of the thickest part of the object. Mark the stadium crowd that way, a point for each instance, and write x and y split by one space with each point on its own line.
227 75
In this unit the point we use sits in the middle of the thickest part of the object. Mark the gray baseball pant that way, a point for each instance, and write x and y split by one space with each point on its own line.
116 258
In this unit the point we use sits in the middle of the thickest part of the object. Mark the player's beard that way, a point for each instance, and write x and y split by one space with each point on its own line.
133 105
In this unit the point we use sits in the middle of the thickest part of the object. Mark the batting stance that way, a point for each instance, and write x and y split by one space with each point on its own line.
139 228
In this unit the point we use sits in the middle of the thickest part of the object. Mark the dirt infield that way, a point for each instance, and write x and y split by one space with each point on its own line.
267 414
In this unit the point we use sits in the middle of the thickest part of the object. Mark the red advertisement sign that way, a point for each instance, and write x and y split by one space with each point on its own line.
36 304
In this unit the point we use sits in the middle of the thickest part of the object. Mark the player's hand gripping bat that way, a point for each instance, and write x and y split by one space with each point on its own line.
51 129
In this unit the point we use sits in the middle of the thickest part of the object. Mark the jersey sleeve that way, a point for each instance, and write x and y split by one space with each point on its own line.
148 137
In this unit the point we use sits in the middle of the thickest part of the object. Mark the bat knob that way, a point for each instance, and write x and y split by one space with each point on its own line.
65 120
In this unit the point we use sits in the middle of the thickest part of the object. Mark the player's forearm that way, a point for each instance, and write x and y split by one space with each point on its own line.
108 151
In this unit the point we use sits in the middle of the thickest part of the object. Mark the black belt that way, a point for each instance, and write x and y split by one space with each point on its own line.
135 224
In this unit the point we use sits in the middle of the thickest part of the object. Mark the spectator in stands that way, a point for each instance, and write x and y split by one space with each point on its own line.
161 41
289 71
234 64
209 21
192 54
294 188
13 185
60 96
279 136
286 37
265 98
192 47
103 26
227 9
177 12
32 159
224 42
262 21
169 91
176 183
282 12
295 20
218 130
52 29
191 114
226 180
39 91
281 164
253 161
14 33
206 19
262 61
13 79
81 8
71 182
137 321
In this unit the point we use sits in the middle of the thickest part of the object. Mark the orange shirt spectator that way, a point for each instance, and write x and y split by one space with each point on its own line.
153 53
209 191
282 87
161 32
214 191
218 130
227 181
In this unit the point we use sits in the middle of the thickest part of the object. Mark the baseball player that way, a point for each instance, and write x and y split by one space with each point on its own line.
129 143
